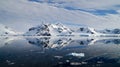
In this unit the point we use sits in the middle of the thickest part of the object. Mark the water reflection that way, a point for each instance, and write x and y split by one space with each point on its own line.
49 42
110 41
6 40
59 52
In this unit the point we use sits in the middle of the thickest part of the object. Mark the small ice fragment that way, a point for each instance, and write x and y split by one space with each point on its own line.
77 54
75 63
9 62
99 62
31 50
67 61
60 62
59 57
84 62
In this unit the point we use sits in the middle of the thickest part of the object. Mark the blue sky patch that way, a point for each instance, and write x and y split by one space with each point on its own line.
95 12
103 12
117 6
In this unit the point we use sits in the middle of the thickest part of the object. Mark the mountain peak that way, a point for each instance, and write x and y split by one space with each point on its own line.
49 29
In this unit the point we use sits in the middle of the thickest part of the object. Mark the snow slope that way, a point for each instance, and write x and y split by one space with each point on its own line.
4 30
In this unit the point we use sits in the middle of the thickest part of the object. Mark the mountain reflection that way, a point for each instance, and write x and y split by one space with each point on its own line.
110 41
49 42
6 40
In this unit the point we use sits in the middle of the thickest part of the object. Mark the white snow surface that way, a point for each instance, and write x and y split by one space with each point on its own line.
4 30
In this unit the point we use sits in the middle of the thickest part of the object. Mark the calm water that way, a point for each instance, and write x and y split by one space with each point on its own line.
59 52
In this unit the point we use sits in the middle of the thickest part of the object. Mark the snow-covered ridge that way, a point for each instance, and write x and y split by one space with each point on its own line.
64 30
83 30
111 31
58 30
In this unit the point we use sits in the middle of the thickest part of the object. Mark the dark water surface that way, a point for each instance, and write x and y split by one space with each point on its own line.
59 52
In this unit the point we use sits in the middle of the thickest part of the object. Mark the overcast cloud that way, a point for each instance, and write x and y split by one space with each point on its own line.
22 14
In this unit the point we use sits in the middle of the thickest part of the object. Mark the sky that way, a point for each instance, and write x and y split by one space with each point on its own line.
23 14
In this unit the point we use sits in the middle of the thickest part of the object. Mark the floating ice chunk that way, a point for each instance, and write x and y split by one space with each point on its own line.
9 62
67 60
75 63
59 57
77 54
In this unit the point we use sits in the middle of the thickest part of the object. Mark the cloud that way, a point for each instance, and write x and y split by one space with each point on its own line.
113 20
83 4
22 14
102 7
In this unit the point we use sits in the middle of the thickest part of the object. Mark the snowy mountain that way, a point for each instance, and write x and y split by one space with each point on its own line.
49 30
111 31
4 30
60 30
87 30
84 30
